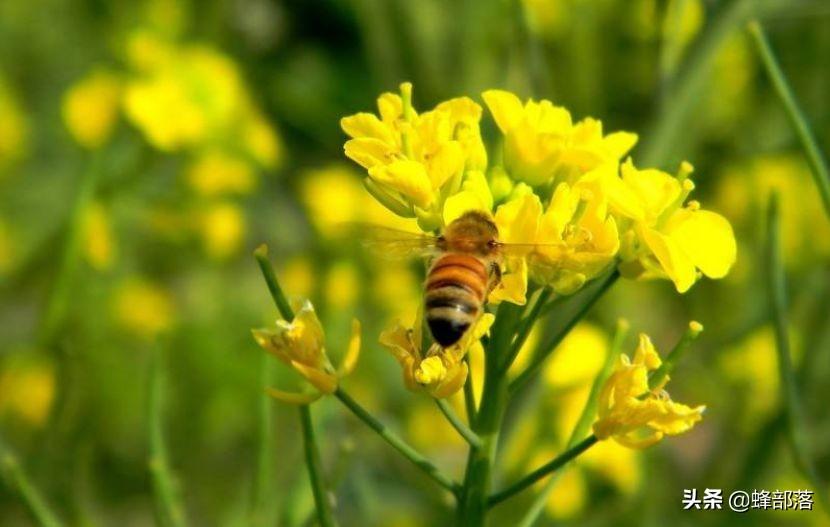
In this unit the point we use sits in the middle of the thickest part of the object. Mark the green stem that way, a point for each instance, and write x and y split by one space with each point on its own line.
818 165
472 508
169 511
526 326
672 122
585 420
263 484
397 443
58 300
590 298
261 255
469 392
777 290
659 375
456 423
17 479
312 454
553 465
315 470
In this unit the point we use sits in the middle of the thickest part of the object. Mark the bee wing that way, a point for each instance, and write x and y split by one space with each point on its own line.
390 243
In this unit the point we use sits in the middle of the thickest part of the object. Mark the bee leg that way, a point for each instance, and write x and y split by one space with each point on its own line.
495 275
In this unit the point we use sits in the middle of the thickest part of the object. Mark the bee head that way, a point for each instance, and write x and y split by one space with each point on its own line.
473 232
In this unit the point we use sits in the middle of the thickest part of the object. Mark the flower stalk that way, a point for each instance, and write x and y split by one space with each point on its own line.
793 410
818 165
397 443
17 480
463 430
169 510
312 454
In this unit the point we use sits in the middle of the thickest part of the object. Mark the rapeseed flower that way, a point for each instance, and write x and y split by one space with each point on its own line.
635 414
414 161
143 308
27 389
558 193
542 143
90 108
99 239
301 345
667 237
439 371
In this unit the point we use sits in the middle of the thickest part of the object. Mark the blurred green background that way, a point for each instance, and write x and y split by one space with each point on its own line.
146 147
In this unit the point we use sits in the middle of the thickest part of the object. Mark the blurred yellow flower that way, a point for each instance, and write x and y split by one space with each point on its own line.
90 108
541 142
99 240
301 345
334 196
143 308
742 192
439 371
634 414
428 430
222 228
183 96
615 463
570 496
14 127
341 285
578 358
27 388
298 276
752 365
216 172
666 238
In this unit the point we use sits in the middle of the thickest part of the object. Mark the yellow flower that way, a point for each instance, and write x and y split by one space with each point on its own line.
99 243
301 345
14 127
633 413
90 108
569 243
215 172
27 389
414 161
667 239
577 239
222 227
143 308
193 95
334 196
542 143
342 285
439 371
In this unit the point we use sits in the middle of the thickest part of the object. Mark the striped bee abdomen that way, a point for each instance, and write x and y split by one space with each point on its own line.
454 294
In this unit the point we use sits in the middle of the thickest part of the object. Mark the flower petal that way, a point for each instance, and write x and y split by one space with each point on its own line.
707 238
672 259
506 108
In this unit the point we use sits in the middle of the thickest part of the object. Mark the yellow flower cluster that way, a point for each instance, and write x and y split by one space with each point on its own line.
559 188
187 98
301 345
635 414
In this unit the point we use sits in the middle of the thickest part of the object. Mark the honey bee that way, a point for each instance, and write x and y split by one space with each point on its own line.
465 263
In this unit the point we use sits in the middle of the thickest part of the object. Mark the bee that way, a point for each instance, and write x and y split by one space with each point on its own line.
465 263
